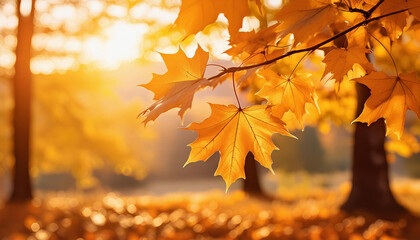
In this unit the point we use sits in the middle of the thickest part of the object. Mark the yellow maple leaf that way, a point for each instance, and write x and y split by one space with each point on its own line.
340 61
291 93
234 132
195 15
176 88
304 18
390 98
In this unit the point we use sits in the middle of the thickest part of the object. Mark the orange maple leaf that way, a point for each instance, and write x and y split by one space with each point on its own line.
356 3
358 37
291 93
390 98
304 18
195 15
393 24
414 7
253 42
176 88
340 61
234 132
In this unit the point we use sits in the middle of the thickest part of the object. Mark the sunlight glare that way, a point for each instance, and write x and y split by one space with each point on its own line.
273 3
121 44
25 8
147 12
41 6
98 218
7 59
64 12
249 24
95 7
116 11
8 18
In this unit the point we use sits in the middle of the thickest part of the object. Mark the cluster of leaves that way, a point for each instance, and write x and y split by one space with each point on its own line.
343 31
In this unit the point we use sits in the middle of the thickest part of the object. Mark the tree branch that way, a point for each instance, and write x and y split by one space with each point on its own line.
365 13
369 13
313 48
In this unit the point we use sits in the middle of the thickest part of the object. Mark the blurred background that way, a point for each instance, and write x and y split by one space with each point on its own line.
88 58
98 173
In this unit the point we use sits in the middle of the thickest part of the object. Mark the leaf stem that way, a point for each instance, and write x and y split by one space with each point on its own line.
234 90
390 55
294 69
275 46
217 65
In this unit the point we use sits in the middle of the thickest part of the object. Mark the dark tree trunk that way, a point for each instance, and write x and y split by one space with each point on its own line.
22 190
251 184
370 184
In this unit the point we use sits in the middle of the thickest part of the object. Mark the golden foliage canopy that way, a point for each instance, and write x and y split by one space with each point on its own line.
335 37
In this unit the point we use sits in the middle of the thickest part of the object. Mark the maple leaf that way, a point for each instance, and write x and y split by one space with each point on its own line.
234 132
177 86
340 61
393 24
195 15
356 3
259 5
414 6
390 98
252 42
291 93
304 18
358 37
234 11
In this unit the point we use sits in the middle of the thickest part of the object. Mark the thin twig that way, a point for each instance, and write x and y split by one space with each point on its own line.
370 11
217 65
294 69
365 13
390 55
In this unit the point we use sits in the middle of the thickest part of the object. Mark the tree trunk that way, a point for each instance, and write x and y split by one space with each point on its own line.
22 190
251 184
370 184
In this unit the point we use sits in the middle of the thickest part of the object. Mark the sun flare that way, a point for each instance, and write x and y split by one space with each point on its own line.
121 42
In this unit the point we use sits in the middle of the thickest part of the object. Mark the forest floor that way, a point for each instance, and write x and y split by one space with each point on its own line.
294 214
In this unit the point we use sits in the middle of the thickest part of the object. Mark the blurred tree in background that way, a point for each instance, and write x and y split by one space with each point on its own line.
22 96
80 119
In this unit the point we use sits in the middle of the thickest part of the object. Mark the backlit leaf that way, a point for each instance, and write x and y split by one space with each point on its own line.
176 88
195 15
390 98
292 93
304 18
234 132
